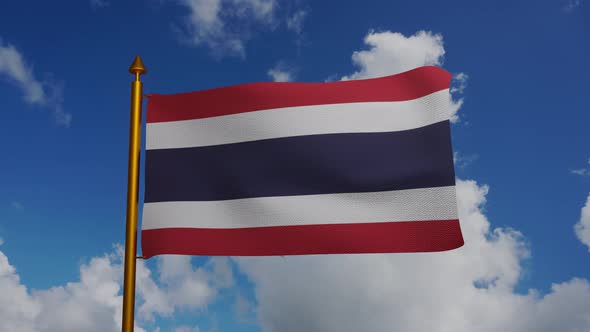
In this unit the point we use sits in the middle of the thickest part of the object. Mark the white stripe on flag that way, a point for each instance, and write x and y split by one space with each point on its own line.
363 117
386 206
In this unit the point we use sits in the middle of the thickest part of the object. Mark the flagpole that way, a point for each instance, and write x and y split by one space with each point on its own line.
137 68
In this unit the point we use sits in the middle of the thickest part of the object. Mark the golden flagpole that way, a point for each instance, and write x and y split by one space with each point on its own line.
138 69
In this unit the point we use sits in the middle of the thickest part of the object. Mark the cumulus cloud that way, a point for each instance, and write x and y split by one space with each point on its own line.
45 94
278 75
186 287
94 303
392 53
208 23
244 310
222 274
582 228
187 329
472 288
180 285
91 304
17 308
468 289
281 73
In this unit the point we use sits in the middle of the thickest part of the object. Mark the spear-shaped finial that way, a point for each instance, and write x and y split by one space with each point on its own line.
137 66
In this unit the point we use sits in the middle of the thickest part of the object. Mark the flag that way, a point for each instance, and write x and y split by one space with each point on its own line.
361 166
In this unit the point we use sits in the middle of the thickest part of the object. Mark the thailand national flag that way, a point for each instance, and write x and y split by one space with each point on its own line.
363 166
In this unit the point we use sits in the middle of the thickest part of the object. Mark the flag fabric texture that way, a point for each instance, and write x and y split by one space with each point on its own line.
361 166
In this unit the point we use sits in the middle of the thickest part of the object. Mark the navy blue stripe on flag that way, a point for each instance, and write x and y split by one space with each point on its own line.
303 165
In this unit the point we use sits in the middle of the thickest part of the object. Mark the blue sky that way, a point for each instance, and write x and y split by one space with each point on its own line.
521 143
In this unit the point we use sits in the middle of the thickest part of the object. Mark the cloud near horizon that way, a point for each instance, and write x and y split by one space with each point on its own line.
94 303
582 228
472 288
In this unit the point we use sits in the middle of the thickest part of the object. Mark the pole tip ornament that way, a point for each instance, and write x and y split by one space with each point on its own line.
137 66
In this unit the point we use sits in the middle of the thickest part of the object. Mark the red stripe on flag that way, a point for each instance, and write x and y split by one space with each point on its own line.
242 98
382 237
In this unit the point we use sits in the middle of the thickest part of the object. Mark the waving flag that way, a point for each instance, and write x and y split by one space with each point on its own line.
258 169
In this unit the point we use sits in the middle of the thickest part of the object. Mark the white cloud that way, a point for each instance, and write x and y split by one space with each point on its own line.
17 309
155 299
295 21
204 26
14 67
207 23
94 303
468 289
180 285
45 94
391 53
581 171
187 329
222 272
582 228
186 287
461 80
244 310
91 304
280 74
